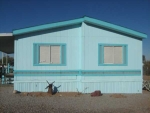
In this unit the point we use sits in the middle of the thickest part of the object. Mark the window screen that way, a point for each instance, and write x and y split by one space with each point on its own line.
108 55
113 55
44 54
55 54
49 54
118 54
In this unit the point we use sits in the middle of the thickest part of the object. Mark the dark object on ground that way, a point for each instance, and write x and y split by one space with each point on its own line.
16 92
55 89
50 90
96 93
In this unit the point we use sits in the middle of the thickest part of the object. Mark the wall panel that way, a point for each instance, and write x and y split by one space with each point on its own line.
69 35
94 35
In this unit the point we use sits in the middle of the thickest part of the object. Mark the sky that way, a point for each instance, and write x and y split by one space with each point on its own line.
132 14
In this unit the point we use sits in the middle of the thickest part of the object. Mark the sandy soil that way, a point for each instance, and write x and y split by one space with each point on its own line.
43 94
41 102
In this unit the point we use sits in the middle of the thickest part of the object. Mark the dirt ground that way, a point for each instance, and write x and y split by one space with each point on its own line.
71 102
43 94
67 94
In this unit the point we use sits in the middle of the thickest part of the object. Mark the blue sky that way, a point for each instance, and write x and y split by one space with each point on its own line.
133 14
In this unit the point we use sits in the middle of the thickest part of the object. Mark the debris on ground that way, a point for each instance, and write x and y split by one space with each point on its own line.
96 93
14 91
50 90
45 94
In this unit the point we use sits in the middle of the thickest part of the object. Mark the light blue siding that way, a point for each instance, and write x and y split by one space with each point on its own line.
82 55
93 36
81 79
24 48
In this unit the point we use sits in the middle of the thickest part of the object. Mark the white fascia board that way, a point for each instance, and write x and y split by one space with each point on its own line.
6 34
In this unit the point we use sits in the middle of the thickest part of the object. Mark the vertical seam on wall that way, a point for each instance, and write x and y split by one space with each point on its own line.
38 53
33 52
50 53
127 54
15 51
61 54
102 54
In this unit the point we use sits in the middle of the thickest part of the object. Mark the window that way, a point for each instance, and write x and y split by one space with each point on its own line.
49 54
112 54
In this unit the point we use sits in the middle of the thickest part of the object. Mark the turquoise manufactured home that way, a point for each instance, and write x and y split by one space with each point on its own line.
85 54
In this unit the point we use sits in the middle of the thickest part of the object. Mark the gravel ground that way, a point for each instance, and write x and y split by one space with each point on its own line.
107 103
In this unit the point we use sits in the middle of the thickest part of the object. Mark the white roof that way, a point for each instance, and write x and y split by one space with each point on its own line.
6 34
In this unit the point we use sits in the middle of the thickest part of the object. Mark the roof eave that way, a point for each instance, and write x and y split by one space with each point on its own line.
80 20
115 27
47 26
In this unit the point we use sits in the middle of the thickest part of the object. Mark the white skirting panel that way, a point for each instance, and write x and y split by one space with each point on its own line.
40 86
82 86
113 86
